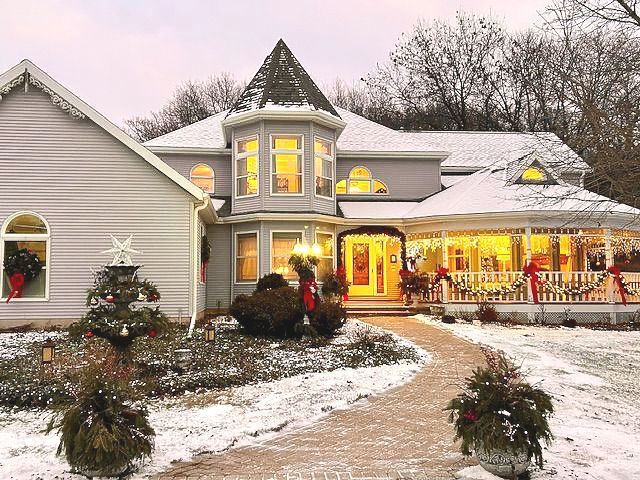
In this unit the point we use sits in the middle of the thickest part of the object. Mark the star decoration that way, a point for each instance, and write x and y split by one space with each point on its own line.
121 251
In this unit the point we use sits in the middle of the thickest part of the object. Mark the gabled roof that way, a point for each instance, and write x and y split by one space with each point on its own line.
282 82
205 135
476 150
73 105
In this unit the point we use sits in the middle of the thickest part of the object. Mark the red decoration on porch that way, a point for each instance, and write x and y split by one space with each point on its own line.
342 275
443 273
153 333
203 271
615 271
309 289
17 283
531 271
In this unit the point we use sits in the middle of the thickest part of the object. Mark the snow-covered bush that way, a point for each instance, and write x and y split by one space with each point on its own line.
270 312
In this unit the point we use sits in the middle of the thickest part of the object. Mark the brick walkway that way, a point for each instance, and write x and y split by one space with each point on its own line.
401 434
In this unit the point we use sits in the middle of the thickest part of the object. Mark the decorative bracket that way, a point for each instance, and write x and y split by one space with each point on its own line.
5 89
57 99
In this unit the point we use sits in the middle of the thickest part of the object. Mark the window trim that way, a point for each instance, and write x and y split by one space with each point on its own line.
275 151
237 156
203 232
301 232
333 250
235 257
330 158
371 179
212 177
35 237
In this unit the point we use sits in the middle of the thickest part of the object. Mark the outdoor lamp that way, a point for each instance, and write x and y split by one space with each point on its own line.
48 351
209 333
316 250
298 249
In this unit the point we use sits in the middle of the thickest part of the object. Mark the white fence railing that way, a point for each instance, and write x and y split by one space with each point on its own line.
469 287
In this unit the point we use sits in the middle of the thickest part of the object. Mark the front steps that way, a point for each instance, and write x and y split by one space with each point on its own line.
372 306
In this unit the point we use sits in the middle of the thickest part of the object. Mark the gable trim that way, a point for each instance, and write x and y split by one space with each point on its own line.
62 95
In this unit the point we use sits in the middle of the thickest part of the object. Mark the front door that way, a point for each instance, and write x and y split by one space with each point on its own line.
365 264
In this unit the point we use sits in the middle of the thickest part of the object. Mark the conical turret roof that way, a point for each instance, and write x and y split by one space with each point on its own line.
282 83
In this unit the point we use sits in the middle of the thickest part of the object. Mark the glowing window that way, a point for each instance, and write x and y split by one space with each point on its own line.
286 164
25 232
282 244
533 174
247 163
325 266
246 257
361 182
202 177
323 167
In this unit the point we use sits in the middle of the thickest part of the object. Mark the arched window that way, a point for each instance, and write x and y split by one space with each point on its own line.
361 182
25 231
202 176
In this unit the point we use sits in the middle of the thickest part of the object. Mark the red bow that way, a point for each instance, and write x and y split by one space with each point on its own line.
531 271
17 282
203 271
308 295
443 273
615 271
342 275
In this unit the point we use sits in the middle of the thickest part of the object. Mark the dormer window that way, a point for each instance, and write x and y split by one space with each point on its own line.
533 175
247 163
323 167
361 182
202 177
286 164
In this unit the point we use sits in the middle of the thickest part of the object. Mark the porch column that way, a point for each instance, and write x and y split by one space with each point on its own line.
609 261
527 234
445 264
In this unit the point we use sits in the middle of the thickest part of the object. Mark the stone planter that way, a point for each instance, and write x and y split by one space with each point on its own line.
503 463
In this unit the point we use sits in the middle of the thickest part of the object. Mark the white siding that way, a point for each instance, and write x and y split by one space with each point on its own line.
87 185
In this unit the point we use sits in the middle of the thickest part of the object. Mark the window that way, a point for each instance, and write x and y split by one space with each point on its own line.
282 244
26 231
202 177
247 257
286 164
360 182
325 240
533 174
247 167
323 167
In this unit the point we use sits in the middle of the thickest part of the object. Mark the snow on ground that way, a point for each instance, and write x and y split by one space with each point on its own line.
17 344
212 422
594 377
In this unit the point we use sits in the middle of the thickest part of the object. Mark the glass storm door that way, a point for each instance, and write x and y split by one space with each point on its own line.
365 267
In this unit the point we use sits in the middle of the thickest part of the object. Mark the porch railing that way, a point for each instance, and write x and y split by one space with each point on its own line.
458 291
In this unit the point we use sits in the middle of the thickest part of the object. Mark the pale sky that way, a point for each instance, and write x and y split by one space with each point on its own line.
125 57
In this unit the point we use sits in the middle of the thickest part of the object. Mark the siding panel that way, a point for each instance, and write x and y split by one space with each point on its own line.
221 164
87 185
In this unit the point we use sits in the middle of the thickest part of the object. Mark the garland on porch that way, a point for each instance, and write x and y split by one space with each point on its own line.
375 232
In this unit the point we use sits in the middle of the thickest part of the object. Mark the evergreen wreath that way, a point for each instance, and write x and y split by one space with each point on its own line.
205 249
23 261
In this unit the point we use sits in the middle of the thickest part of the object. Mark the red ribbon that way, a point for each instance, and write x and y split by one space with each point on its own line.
443 273
203 271
342 275
308 295
615 271
531 271
17 283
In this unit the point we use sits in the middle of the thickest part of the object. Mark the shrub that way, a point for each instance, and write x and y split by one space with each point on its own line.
103 432
269 312
448 319
271 281
499 410
486 312
328 318
334 285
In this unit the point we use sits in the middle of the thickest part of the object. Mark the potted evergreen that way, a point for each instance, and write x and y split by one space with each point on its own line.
501 417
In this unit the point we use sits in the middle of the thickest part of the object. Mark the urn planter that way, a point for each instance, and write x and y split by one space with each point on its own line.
503 463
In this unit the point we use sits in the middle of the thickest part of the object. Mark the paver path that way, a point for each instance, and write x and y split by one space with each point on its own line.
402 433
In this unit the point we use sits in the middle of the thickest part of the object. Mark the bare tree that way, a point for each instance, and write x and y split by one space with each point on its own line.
190 103
589 14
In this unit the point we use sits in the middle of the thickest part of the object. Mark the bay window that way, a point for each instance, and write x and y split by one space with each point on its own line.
282 244
325 266
286 164
323 167
247 164
247 257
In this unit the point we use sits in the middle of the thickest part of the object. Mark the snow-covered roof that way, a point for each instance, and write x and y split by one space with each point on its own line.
488 191
376 210
207 134
282 83
474 150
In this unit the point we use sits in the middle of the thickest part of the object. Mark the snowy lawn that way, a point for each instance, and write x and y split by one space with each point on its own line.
216 420
594 377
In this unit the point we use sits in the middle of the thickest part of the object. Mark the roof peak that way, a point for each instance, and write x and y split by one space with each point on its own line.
282 83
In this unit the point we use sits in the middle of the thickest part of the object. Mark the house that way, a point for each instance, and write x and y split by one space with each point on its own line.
285 166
